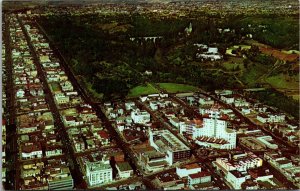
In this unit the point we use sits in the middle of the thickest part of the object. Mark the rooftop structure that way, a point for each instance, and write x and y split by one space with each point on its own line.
240 162
165 142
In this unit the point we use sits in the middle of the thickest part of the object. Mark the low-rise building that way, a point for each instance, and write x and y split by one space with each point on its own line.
59 176
199 177
240 162
141 117
165 142
61 98
124 169
270 118
98 170
237 178
31 150
188 169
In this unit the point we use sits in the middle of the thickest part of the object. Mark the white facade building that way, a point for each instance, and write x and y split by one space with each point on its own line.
240 162
198 178
60 98
67 86
53 152
188 169
129 105
271 118
124 170
98 172
236 178
216 128
31 151
20 93
141 117
206 101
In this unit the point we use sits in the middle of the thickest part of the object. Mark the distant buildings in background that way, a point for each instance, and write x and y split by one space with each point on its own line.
208 53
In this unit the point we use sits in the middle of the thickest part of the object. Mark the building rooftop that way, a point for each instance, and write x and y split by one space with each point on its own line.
172 142
238 174
31 148
168 177
124 166
212 140
284 161
98 165
192 166
199 174
159 163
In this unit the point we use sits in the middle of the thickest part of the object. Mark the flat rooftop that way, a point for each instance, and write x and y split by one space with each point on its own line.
174 143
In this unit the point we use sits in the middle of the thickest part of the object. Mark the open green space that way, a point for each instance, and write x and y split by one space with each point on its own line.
284 81
176 88
234 63
142 90
251 76
55 87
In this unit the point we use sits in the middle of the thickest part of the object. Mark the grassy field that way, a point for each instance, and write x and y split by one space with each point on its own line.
251 76
283 81
142 90
176 88
233 62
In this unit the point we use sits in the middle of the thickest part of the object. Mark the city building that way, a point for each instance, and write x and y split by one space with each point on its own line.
59 177
199 177
98 170
214 133
124 169
188 169
165 142
141 117
285 166
240 162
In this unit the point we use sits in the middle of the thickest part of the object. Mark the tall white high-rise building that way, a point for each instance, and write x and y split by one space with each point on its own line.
214 132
